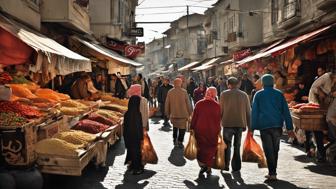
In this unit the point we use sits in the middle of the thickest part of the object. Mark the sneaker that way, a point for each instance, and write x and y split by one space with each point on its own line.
138 172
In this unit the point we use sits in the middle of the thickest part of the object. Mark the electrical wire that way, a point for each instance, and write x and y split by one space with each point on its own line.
173 6
158 13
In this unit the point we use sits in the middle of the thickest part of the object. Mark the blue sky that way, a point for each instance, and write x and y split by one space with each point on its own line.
172 11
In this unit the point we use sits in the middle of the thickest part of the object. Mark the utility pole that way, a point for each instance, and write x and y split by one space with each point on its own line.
187 16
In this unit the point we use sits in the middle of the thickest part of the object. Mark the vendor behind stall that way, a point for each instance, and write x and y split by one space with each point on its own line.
83 88
302 93
323 93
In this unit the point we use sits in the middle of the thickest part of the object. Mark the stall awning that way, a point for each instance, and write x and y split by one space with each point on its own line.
207 64
110 54
227 62
46 45
284 46
188 66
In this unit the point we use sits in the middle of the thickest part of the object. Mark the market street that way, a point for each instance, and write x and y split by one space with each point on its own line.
174 171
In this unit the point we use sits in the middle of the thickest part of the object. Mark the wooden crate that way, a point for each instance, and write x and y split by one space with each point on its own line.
49 129
66 165
310 122
17 145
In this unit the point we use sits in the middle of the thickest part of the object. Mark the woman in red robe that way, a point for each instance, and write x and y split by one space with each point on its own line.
206 125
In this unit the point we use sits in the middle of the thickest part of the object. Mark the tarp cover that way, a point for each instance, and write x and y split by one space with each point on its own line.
110 54
67 60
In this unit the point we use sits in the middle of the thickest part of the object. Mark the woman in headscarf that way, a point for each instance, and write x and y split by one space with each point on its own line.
206 125
135 90
133 135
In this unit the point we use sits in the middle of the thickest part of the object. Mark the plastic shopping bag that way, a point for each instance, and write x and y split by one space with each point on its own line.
147 151
220 155
190 152
252 152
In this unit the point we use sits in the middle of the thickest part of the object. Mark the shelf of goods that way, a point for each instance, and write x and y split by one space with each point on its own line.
66 165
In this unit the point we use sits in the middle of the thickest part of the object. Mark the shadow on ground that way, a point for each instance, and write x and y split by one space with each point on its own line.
176 157
135 181
322 169
235 180
209 182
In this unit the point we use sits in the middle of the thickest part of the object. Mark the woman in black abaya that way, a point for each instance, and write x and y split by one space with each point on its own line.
133 135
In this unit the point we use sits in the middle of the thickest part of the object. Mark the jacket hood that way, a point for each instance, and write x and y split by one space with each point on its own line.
267 80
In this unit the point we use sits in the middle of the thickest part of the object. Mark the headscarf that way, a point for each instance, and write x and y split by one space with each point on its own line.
134 90
211 93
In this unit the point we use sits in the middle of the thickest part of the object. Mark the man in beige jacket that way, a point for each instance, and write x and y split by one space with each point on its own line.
236 116
178 110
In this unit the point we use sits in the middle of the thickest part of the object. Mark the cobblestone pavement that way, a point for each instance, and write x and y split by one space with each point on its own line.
173 171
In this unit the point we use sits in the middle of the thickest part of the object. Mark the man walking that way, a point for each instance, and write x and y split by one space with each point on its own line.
269 112
161 97
178 109
236 113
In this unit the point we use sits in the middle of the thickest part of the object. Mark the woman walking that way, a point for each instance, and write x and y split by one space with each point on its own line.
133 135
206 125
135 90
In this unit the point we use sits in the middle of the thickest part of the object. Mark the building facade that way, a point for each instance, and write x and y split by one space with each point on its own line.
231 26
113 19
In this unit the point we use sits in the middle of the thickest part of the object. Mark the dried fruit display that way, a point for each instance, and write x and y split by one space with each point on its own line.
55 146
76 137
20 90
114 100
50 94
90 126
71 111
20 109
5 78
74 104
10 119
115 116
102 119
116 108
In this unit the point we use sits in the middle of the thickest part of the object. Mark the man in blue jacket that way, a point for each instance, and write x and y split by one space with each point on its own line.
269 112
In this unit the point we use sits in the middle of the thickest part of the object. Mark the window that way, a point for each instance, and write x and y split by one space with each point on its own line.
230 29
291 9
275 12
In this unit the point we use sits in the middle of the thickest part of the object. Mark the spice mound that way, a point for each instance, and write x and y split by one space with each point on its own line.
90 126
76 137
55 146
20 109
10 119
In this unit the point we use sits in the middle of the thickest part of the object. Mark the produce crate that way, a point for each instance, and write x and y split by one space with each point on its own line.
17 145
49 128
310 122
66 165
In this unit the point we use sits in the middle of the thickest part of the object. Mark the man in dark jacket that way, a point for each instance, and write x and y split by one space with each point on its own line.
269 113
246 85
120 90
162 95
191 88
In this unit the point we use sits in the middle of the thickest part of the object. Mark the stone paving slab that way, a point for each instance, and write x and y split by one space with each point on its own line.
174 171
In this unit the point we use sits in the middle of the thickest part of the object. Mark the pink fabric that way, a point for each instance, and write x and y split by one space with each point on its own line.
134 90
211 93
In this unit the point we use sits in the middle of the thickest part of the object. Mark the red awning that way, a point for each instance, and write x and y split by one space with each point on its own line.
278 49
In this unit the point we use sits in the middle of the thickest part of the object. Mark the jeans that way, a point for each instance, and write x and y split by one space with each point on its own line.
228 134
331 132
178 134
271 144
319 143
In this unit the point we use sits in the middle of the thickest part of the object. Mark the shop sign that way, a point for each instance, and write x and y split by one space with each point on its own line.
132 51
241 54
136 32
115 44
